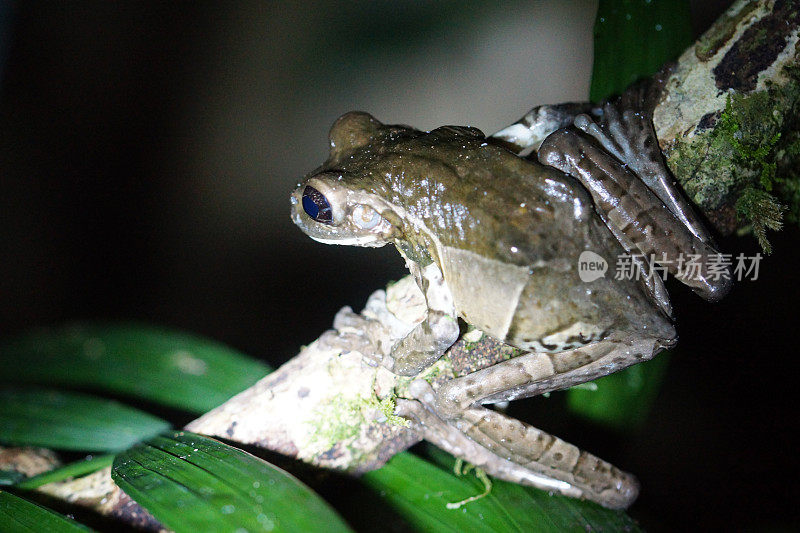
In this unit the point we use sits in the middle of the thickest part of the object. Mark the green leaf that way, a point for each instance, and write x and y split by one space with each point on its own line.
18 515
72 470
158 365
621 400
71 421
193 483
421 490
634 38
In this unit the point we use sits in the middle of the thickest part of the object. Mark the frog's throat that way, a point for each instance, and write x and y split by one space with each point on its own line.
370 241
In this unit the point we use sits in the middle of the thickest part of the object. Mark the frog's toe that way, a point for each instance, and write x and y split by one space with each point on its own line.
421 390
450 401
371 359
444 402
623 493
412 363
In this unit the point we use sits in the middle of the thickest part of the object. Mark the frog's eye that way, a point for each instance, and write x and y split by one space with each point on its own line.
365 217
317 206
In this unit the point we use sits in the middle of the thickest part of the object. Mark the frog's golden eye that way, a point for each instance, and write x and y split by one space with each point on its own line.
365 217
317 206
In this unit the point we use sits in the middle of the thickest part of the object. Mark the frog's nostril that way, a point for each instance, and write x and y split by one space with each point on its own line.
316 205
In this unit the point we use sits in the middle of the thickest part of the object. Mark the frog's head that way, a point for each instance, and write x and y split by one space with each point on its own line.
337 204
386 183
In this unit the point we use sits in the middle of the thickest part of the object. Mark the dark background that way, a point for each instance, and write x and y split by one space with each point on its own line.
146 157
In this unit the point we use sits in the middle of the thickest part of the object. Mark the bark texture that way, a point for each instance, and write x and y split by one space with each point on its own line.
727 118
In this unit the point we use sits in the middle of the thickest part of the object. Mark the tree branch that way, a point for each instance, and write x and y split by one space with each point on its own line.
727 118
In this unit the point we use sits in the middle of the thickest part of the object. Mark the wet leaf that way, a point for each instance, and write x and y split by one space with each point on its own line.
159 365
633 39
71 470
193 483
421 490
71 421
18 515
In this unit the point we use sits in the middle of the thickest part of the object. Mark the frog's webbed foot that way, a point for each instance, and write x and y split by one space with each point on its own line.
511 450
354 332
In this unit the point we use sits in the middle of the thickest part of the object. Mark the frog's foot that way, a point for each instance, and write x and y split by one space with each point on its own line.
424 345
511 450
526 135
353 332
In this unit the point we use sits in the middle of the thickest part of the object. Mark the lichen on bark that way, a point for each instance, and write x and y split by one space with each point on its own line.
727 119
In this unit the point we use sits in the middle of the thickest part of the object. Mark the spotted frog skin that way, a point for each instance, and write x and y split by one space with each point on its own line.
492 228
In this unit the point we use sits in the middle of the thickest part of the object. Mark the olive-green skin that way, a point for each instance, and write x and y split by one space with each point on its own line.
506 232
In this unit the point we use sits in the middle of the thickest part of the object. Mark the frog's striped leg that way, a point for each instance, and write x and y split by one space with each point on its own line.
509 449
633 211
526 134
626 130
535 373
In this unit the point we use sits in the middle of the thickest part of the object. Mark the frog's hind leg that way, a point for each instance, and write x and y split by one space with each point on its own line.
626 130
509 449
536 373
634 213
526 134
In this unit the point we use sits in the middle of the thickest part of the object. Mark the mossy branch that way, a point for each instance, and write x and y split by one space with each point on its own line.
727 119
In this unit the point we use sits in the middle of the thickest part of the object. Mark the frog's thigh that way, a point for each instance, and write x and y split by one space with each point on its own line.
509 449
536 373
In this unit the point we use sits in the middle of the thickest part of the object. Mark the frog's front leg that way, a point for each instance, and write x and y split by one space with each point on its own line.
514 451
436 333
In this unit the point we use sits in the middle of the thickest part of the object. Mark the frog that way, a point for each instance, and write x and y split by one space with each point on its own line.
494 229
